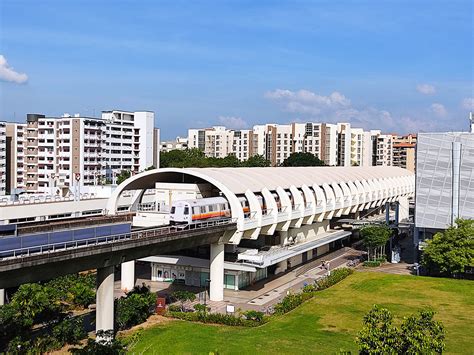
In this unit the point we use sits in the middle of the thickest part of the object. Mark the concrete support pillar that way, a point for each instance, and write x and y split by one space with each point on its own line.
2 296
104 317
128 276
216 287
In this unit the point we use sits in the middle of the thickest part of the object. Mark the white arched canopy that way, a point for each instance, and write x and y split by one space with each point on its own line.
343 189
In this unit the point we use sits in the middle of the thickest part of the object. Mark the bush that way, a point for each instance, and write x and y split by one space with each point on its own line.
216 318
291 301
371 263
69 331
337 275
201 308
174 308
102 347
135 307
254 315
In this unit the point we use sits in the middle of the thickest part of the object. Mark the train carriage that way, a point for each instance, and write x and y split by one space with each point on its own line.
193 211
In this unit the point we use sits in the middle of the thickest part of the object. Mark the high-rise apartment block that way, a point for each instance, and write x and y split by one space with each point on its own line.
335 144
382 148
404 150
55 154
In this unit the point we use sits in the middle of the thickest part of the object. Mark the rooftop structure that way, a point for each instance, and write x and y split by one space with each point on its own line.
292 196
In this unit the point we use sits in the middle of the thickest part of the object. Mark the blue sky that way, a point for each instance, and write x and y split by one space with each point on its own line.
393 65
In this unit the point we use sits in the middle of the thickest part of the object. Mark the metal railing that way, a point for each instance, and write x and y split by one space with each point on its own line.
102 240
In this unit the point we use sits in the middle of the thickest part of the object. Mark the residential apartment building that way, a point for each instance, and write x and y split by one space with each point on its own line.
178 144
382 145
335 144
56 155
215 142
3 159
404 149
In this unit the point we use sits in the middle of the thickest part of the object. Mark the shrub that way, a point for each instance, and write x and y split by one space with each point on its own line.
135 308
371 263
69 331
337 275
102 347
254 315
291 301
174 308
216 318
201 308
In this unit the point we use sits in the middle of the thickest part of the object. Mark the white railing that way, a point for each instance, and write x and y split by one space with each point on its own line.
138 235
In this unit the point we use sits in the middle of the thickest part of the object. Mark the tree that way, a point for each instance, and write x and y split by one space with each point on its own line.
418 334
256 161
183 296
421 334
374 238
449 252
378 335
302 159
124 175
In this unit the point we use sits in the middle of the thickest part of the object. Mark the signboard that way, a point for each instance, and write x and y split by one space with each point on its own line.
160 307
230 308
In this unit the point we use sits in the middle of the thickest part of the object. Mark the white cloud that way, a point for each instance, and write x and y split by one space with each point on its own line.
332 108
426 89
309 106
7 73
233 122
439 110
304 101
468 103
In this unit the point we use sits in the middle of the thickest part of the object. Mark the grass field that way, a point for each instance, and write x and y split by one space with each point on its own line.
329 322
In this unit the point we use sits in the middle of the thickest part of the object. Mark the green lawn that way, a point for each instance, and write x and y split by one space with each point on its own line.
328 322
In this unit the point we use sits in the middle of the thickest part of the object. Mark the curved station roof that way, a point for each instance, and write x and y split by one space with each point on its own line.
293 195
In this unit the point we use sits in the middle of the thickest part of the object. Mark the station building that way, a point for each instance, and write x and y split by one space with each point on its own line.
284 216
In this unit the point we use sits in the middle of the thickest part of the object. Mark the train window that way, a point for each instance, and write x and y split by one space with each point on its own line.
203 209
211 208
186 210
196 210
173 209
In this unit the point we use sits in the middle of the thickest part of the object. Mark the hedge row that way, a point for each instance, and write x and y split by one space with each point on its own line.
217 318
292 301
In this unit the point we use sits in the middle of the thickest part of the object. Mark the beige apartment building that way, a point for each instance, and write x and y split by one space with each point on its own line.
404 151
56 155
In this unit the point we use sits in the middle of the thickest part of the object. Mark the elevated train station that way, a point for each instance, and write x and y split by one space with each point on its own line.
283 216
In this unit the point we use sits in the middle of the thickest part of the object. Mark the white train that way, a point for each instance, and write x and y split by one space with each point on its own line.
193 211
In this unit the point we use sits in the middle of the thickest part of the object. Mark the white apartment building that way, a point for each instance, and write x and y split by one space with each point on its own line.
216 142
3 158
178 144
57 155
383 148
